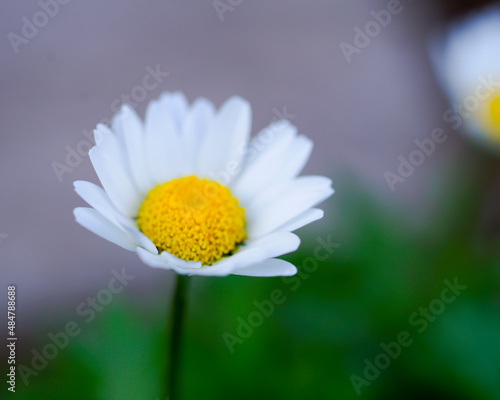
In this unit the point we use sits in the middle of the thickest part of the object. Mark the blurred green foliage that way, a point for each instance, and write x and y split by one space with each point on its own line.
331 320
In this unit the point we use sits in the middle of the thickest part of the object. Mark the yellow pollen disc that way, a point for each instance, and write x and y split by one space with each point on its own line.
193 219
489 116
495 111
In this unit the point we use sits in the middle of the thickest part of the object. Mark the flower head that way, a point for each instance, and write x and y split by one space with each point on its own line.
467 64
187 190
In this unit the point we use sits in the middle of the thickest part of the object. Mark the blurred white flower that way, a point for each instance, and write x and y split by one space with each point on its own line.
188 191
466 59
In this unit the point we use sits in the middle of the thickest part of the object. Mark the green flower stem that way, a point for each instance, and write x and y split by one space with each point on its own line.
176 323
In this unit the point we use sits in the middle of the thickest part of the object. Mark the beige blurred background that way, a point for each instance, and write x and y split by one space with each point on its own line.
283 55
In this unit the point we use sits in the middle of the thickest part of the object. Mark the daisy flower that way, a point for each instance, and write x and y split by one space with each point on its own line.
467 63
187 189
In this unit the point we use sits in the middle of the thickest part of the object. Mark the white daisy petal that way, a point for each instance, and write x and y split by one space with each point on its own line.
275 244
101 226
297 197
298 154
163 142
99 200
256 251
231 127
299 150
96 197
271 267
276 193
240 259
180 263
110 165
153 260
266 154
130 132
198 122
160 261
137 236
176 105
301 220
243 257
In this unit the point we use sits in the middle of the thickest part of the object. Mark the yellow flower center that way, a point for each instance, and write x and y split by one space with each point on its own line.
193 219
489 117
495 111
